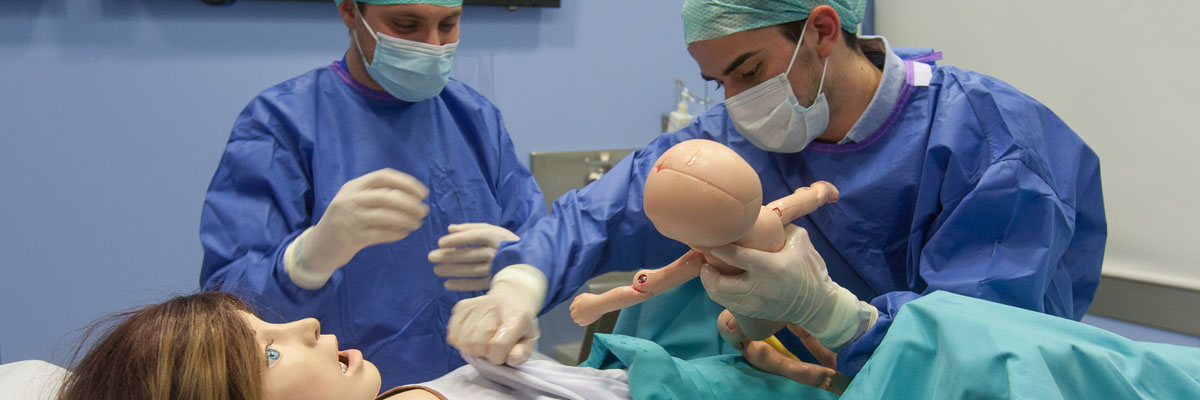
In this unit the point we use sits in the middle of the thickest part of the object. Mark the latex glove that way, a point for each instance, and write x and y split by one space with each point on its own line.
791 285
501 326
383 206
467 252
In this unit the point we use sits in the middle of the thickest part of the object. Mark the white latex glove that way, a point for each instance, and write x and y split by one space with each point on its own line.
501 326
467 252
790 285
383 206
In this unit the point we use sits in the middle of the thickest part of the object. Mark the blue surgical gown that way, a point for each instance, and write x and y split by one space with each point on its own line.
964 185
290 151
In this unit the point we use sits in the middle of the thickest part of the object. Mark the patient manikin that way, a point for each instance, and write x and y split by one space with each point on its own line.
210 346
304 364
703 194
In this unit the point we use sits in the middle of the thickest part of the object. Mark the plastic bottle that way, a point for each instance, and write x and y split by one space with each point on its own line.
680 117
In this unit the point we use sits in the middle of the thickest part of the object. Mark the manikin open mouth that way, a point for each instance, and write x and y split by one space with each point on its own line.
350 360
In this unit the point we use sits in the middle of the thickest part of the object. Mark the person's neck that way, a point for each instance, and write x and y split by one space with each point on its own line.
358 70
856 86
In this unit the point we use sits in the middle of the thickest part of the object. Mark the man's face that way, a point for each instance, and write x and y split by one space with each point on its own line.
745 59
430 24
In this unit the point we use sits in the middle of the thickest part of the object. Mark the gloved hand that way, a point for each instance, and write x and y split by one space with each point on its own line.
383 206
467 252
790 285
501 326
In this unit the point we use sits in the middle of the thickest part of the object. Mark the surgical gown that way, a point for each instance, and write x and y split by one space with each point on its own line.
962 184
290 151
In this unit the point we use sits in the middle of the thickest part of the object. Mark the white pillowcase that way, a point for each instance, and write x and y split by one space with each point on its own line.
30 380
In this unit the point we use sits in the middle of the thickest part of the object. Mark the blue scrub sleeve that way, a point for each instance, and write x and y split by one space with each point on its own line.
597 229
521 200
1002 241
258 202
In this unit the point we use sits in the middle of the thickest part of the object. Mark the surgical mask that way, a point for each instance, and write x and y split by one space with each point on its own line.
408 70
770 116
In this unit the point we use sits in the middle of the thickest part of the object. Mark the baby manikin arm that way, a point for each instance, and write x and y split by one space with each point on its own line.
588 307
803 201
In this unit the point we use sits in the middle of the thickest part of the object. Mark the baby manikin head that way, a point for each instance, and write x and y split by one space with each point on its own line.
703 194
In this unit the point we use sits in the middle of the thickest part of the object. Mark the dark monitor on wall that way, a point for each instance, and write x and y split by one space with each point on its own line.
497 3
513 3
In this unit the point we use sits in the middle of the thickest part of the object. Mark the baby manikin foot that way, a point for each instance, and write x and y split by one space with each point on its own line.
764 357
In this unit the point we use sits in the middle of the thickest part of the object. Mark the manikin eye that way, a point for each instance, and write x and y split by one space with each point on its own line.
272 356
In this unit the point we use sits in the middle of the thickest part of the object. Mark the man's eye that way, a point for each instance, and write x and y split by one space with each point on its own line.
750 74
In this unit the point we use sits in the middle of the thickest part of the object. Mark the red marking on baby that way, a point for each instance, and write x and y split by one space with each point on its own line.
641 281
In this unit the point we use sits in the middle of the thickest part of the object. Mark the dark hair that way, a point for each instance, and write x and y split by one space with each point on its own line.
195 347
794 29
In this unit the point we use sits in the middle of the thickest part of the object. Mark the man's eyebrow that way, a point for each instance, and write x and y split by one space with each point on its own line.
737 62
413 15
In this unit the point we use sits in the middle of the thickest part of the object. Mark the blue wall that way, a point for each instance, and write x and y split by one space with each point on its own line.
113 115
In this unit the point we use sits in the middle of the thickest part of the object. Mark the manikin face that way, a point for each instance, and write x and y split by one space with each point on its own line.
303 364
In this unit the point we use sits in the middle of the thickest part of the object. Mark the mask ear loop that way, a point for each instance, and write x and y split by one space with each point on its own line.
820 86
364 19
797 51
358 11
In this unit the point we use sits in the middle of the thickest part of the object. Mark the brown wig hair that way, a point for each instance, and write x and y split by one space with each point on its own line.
195 347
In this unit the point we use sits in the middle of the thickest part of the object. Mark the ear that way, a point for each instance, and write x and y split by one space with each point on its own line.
348 14
825 21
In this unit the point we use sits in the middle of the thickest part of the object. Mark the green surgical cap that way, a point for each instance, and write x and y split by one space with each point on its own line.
711 19
443 3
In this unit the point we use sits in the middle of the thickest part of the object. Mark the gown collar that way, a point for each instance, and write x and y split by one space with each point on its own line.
339 68
891 84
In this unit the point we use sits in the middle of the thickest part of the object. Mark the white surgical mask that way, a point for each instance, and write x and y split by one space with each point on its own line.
771 118
408 70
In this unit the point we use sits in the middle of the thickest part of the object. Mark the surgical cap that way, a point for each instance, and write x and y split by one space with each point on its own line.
443 3
711 19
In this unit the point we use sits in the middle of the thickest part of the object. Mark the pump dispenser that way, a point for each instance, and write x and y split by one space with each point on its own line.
680 117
